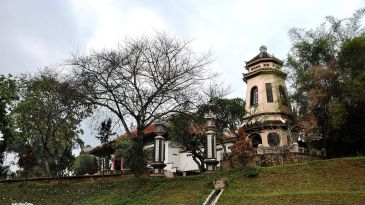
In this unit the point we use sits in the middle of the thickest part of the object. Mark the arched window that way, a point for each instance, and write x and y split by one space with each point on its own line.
254 96
273 139
255 140
283 97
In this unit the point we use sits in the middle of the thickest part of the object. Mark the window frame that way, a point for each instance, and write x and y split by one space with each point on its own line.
283 96
276 141
254 99
269 93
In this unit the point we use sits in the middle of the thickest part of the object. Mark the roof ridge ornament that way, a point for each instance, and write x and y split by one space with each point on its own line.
263 48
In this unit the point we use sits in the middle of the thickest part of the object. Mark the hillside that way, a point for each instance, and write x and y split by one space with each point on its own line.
337 181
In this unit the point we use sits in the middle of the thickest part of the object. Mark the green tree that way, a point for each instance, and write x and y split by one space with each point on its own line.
61 162
48 116
104 133
229 113
187 129
326 66
8 95
124 149
27 160
85 164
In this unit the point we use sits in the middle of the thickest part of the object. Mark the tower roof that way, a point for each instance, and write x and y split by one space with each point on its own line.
263 56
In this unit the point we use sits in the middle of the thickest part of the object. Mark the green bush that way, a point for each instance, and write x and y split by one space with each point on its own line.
85 164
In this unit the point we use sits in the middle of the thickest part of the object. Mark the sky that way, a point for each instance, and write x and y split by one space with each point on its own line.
40 33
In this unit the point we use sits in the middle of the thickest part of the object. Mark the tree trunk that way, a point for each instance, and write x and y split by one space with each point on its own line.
199 160
46 163
47 156
26 177
139 152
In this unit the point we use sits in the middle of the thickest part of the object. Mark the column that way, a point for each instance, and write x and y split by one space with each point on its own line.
159 150
210 143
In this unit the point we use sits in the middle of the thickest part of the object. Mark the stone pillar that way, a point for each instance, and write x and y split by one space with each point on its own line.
159 150
210 143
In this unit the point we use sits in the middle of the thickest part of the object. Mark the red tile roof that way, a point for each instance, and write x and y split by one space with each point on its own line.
147 131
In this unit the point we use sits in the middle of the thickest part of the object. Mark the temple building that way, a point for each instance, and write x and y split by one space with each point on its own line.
268 124
176 160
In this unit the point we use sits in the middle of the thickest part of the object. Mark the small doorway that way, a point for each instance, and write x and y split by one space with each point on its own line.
255 140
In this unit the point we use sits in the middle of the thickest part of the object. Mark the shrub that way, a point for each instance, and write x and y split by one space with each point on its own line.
242 152
85 164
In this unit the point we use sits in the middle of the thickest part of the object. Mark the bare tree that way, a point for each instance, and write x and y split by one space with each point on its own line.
215 91
144 79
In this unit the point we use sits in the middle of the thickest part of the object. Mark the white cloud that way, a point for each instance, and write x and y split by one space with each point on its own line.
233 30
112 23
236 29
34 47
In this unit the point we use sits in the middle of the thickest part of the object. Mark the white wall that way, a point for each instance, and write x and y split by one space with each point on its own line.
220 151
176 160
171 157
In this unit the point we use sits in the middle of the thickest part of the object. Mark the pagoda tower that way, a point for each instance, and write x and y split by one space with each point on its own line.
269 115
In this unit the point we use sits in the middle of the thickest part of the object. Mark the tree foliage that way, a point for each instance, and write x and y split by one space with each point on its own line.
188 129
48 117
242 152
142 80
62 162
229 113
85 164
327 69
105 131
8 95
123 148
27 160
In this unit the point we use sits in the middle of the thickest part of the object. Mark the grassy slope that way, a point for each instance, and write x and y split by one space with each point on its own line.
338 181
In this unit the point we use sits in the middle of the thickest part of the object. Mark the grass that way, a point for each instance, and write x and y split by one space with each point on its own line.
337 181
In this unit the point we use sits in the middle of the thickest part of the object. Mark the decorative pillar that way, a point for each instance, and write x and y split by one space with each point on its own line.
210 143
159 150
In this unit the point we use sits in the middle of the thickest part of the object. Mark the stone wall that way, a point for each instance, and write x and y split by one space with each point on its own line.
273 159
279 159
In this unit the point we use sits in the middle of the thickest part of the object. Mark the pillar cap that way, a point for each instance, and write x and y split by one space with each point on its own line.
210 132
159 137
158 165
211 161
